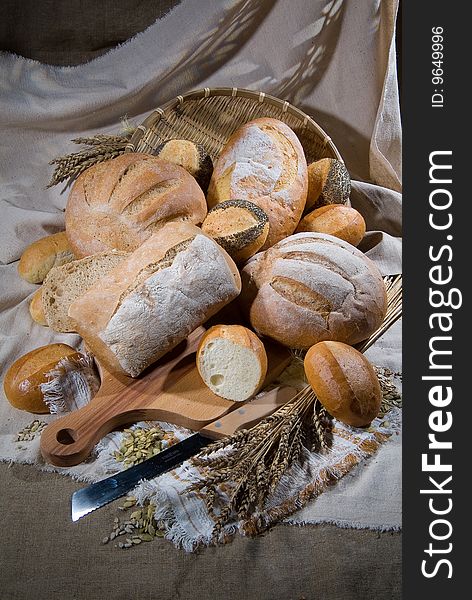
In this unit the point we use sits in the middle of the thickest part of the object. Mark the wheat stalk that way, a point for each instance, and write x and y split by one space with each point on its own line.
255 460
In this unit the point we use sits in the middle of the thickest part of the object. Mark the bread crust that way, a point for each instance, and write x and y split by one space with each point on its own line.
312 287
44 254
24 377
344 381
120 203
156 297
263 162
341 221
36 308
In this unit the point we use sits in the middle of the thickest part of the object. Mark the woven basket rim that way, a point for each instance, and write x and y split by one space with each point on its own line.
234 92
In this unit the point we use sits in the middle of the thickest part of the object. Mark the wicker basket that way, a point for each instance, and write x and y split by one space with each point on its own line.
210 116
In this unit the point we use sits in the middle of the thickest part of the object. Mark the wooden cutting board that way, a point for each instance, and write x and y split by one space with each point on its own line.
170 390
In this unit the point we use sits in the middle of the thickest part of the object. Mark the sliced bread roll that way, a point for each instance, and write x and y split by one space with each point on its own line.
36 308
44 254
161 292
263 162
241 227
232 361
64 284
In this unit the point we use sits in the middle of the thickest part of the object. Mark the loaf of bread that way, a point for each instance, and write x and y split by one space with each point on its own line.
241 227
341 221
190 156
156 297
328 183
23 380
64 284
232 362
312 287
263 162
44 254
344 381
119 203
36 308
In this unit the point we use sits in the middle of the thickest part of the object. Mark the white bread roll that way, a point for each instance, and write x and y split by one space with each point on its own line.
232 362
44 254
120 203
312 287
344 381
263 162
155 298
341 221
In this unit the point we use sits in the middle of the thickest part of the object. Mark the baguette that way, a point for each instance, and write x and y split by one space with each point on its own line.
160 293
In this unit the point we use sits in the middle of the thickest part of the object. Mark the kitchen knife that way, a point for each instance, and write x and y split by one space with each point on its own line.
247 415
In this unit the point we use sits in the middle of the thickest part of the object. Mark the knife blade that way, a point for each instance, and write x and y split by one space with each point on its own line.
247 415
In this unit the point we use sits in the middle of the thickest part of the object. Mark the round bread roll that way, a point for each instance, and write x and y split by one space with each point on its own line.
36 308
241 227
190 156
22 383
232 361
120 203
44 254
263 162
341 221
328 183
312 287
344 381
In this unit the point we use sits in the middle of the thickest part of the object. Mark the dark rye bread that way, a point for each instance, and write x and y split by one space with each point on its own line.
190 156
328 183
312 287
239 226
66 283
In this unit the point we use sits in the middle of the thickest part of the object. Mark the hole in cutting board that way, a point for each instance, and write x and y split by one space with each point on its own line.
66 436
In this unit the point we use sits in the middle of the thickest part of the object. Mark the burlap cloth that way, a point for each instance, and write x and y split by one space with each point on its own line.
333 59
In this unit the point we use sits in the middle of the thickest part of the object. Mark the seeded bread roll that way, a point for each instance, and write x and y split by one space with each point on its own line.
64 284
36 308
241 227
343 222
263 162
344 381
157 296
191 157
328 183
232 362
312 287
22 383
120 203
44 254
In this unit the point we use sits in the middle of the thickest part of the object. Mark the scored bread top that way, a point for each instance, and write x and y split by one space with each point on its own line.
312 287
165 289
121 202
264 162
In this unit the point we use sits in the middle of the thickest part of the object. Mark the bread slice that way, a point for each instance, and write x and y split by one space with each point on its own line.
65 284
232 362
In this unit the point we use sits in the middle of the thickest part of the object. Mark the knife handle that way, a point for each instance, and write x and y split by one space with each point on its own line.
249 414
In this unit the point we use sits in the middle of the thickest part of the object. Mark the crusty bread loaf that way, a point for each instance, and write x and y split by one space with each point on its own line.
22 383
36 308
344 381
241 227
44 254
190 156
312 287
64 284
119 203
328 183
232 361
163 291
341 221
263 162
